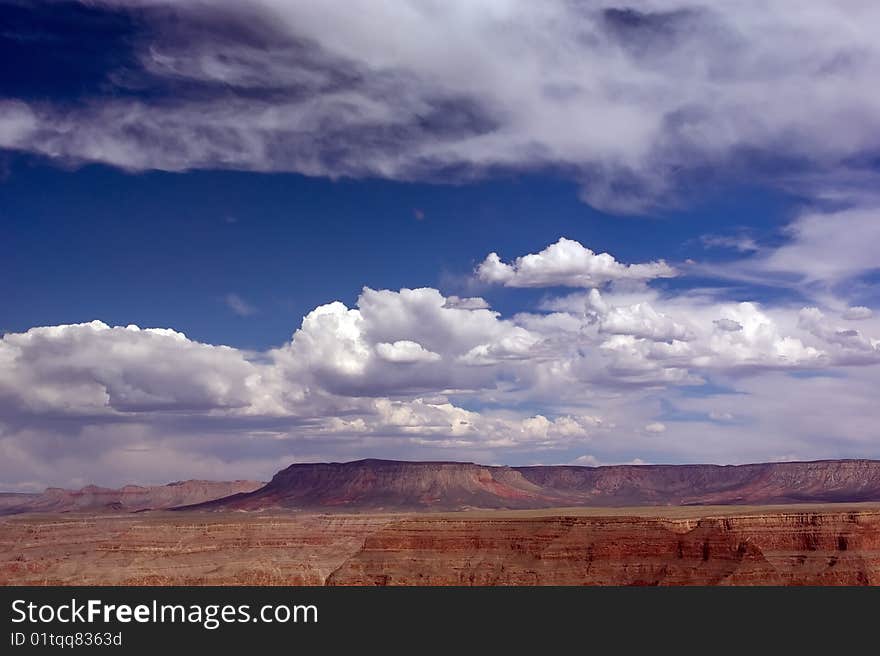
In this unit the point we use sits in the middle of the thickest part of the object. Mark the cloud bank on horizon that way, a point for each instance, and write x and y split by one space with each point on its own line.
413 372
618 361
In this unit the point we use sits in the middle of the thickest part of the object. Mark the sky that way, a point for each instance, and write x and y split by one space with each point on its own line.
237 235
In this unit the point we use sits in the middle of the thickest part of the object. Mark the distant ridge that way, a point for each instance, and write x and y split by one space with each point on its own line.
391 485
130 498
401 485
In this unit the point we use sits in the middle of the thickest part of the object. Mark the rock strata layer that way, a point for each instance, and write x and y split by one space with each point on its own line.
770 546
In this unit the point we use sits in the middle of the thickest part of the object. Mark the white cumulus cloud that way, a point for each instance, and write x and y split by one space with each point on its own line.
567 263
415 372
405 351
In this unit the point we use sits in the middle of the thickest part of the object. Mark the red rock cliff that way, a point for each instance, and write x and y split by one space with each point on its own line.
807 548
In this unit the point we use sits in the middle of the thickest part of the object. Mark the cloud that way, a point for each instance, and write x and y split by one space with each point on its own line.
858 313
566 263
17 123
728 325
586 461
760 342
359 351
845 343
741 243
238 305
415 373
630 101
818 416
470 303
828 247
592 461
95 370
820 250
405 352
638 320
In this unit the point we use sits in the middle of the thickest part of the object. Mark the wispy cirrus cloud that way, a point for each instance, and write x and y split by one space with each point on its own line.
742 243
631 101
238 305
822 254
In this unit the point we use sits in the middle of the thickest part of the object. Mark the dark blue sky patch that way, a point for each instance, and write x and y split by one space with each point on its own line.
164 249
63 51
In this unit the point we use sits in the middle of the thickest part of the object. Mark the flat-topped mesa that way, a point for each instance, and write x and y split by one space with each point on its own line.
129 498
402 485
389 484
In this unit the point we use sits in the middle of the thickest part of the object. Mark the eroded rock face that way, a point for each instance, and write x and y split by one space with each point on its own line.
391 485
789 549
178 548
795 546
131 498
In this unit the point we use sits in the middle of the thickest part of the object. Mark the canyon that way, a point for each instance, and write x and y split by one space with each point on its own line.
378 522
834 544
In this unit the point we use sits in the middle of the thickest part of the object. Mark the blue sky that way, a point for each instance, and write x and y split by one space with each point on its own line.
166 249
604 233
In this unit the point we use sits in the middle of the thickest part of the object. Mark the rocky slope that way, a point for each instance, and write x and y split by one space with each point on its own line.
130 498
401 486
